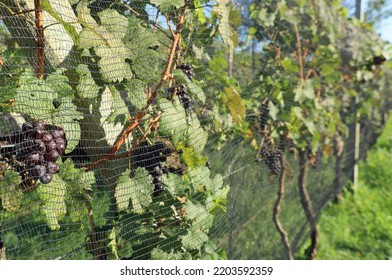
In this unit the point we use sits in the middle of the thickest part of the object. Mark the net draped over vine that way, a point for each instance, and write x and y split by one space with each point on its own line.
166 129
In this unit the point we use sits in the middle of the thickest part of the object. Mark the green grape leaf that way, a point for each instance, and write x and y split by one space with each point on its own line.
109 47
173 119
148 54
60 83
136 189
175 184
304 91
194 239
266 19
113 243
234 102
93 34
199 216
89 39
112 64
223 10
53 206
69 28
159 254
166 5
136 94
123 191
86 87
67 116
10 193
114 22
200 177
196 137
34 97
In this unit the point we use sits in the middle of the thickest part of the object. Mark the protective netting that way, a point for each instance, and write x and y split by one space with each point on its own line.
166 129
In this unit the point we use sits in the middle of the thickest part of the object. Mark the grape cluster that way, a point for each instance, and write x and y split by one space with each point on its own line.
183 96
36 149
264 115
273 159
187 69
152 158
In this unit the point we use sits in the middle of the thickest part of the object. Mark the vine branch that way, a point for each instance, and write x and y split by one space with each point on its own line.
307 206
299 51
279 226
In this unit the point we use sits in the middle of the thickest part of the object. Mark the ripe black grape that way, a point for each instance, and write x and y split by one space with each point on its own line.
187 69
51 146
40 146
37 171
53 168
33 157
56 134
47 137
46 178
53 155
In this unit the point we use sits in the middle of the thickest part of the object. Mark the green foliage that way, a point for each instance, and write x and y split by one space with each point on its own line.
138 190
10 193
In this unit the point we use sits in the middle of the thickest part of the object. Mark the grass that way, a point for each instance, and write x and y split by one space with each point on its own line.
359 226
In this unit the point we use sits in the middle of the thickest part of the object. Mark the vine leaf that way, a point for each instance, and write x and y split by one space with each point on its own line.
304 91
198 214
53 206
194 239
223 10
86 88
69 28
67 116
196 137
10 193
136 189
167 5
173 119
109 47
159 254
136 94
233 101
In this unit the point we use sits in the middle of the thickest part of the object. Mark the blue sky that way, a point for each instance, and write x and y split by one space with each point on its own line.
385 30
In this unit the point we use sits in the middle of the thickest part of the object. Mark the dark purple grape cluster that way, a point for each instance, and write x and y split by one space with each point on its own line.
152 158
273 159
188 70
183 96
36 148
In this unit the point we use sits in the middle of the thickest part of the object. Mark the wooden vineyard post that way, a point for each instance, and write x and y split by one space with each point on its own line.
39 40
359 13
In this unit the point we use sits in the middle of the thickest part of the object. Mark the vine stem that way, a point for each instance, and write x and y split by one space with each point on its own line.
138 118
92 232
276 211
306 203
301 66
39 40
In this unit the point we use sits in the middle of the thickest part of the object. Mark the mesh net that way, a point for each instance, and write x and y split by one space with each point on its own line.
166 129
